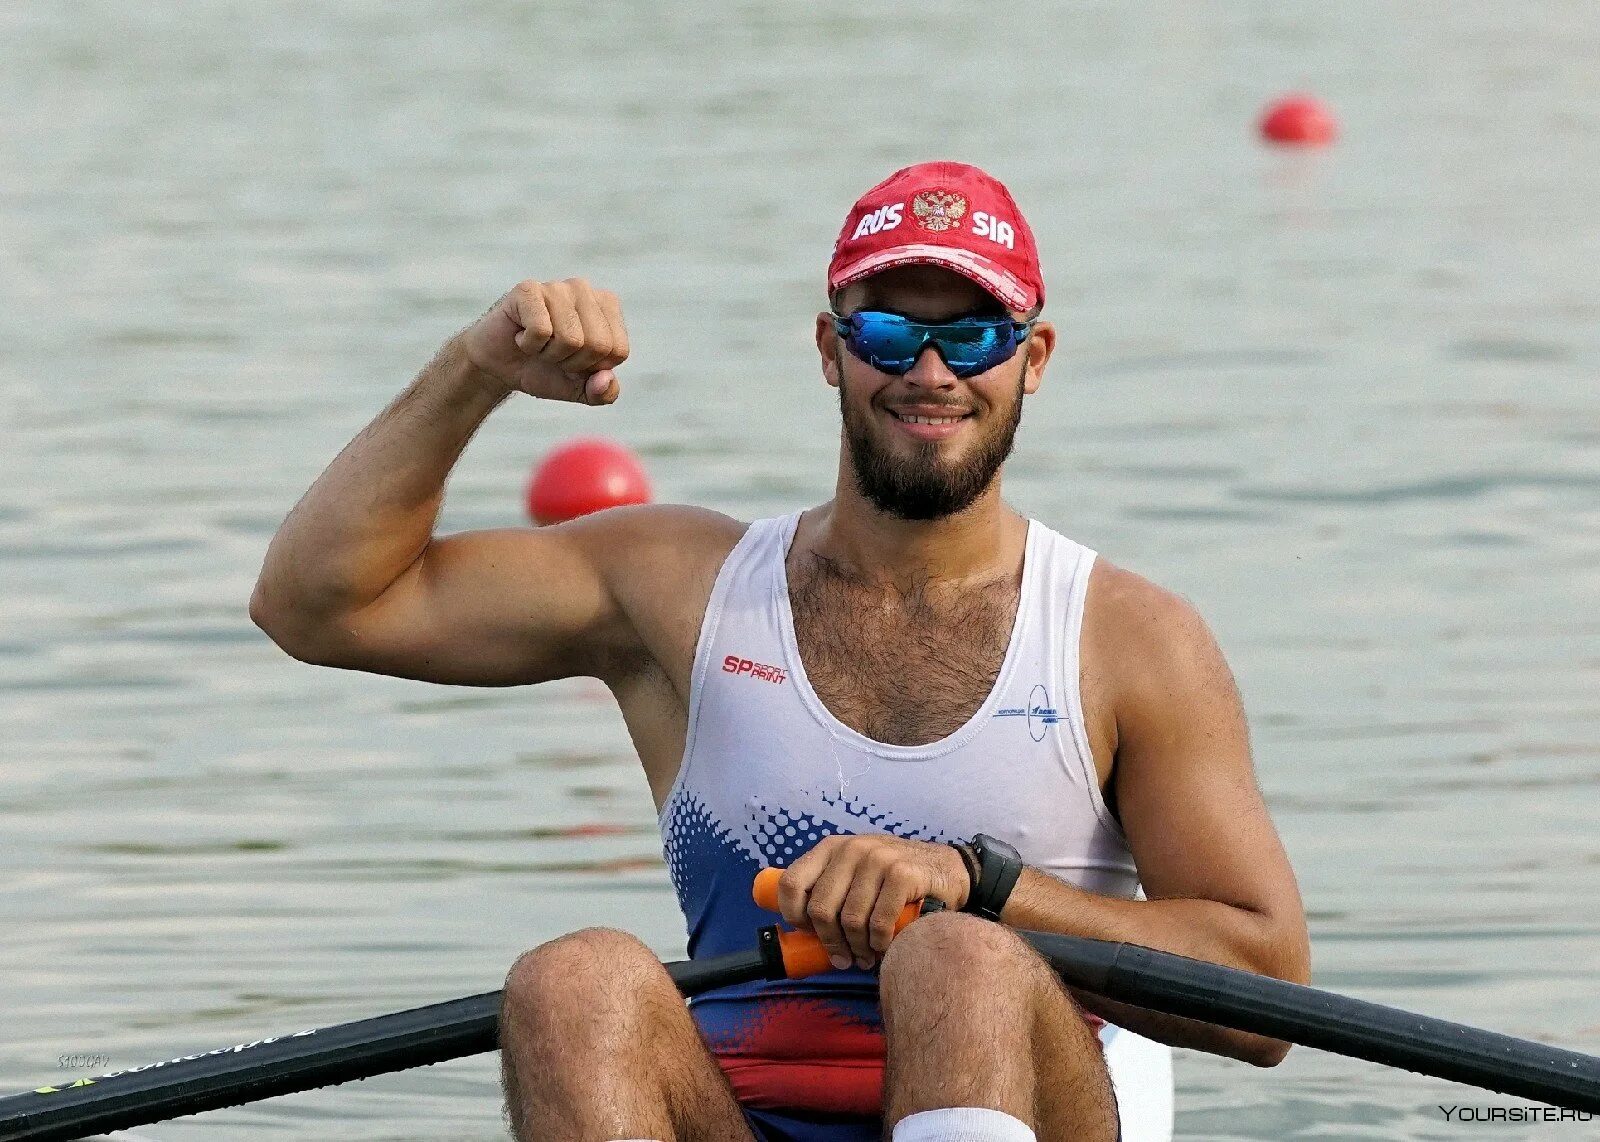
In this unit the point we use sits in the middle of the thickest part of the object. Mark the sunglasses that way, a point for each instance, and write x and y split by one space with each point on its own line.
891 343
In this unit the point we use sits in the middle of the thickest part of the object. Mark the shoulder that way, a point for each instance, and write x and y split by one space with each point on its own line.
1151 643
657 565
683 527
1128 605
657 546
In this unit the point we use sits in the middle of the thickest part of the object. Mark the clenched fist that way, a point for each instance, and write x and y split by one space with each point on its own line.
849 890
557 340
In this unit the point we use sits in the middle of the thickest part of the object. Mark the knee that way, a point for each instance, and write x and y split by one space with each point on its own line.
951 951
580 971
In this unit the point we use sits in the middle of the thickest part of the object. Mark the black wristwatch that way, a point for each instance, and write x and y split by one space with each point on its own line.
992 871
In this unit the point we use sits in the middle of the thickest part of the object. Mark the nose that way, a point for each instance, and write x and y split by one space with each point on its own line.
930 371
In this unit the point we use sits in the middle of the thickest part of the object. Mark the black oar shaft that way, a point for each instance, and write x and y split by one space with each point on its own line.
304 1061
1157 981
1175 985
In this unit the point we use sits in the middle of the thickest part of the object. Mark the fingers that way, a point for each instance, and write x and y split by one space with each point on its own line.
593 347
601 388
529 311
855 914
850 891
811 892
570 338
900 887
565 348
611 307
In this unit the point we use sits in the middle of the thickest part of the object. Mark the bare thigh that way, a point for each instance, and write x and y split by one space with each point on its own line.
1074 1095
597 1043
974 1017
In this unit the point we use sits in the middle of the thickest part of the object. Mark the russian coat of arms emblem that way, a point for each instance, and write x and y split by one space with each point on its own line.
938 209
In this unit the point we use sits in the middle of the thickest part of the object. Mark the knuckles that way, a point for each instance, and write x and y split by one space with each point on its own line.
547 339
903 870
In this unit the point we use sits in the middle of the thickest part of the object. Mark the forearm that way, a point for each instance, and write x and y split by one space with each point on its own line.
1200 929
371 513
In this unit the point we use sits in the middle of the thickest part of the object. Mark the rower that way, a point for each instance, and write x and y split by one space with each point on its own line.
908 691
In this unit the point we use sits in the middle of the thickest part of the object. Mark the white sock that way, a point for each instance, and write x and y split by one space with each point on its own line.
962 1124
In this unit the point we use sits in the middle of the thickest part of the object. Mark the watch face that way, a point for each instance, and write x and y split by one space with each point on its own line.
985 843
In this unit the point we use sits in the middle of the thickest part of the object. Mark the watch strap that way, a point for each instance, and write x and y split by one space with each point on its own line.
999 867
969 858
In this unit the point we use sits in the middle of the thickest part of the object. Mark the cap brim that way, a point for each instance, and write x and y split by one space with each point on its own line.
1004 285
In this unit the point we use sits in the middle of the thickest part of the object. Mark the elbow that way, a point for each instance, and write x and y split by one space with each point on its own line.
1281 949
271 619
1265 1053
291 634
261 610
1292 964
1296 962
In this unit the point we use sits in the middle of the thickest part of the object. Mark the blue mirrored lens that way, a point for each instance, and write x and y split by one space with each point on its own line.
892 343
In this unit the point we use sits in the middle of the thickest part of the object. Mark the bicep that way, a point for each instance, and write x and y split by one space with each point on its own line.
492 608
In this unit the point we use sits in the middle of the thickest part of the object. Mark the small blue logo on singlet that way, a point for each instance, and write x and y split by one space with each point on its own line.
1039 712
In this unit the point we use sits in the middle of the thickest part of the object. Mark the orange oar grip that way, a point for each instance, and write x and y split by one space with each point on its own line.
803 953
765 889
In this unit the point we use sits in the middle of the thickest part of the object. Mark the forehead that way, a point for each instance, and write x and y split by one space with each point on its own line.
931 291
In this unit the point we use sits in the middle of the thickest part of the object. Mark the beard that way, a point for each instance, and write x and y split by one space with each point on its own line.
921 486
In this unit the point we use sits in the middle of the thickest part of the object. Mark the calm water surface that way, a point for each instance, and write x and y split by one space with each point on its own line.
1344 401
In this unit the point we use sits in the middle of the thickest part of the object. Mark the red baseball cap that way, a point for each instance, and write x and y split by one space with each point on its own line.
942 214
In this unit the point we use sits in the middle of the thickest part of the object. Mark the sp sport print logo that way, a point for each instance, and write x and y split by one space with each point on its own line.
760 671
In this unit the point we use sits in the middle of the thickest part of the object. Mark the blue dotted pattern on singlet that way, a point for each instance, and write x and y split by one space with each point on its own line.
783 837
712 874
880 821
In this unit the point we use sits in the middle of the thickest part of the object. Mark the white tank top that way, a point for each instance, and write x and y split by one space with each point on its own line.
767 772
761 745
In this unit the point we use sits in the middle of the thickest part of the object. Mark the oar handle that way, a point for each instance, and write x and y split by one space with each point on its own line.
800 953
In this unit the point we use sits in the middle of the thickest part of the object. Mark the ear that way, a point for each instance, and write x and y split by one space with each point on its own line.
828 348
1041 343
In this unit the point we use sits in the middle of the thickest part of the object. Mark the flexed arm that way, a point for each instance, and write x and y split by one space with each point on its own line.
355 576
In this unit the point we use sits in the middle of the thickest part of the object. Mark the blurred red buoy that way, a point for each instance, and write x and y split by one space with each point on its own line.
1299 121
582 476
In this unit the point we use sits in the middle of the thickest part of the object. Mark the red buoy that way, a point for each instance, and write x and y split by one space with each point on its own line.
582 476
1299 121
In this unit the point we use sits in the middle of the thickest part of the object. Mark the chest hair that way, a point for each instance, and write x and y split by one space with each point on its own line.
904 665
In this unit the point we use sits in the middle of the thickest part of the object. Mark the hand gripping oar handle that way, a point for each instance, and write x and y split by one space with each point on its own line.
793 955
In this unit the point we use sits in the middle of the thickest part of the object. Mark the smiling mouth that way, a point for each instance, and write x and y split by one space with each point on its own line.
909 418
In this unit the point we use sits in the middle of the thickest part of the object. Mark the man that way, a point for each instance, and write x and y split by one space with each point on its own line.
909 691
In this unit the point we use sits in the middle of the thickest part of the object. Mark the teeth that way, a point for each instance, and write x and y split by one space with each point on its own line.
928 419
